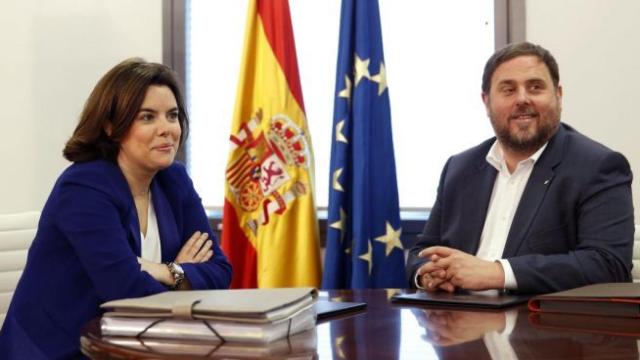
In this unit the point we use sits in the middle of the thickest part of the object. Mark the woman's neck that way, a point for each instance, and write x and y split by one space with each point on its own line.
139 181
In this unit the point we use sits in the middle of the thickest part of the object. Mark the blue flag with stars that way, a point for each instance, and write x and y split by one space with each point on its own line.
363 234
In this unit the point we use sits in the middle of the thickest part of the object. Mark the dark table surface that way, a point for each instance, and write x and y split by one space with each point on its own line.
390 331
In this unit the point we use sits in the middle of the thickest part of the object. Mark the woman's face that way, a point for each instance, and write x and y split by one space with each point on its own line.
152 141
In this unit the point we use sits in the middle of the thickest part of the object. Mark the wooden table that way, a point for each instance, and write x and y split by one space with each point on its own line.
390 331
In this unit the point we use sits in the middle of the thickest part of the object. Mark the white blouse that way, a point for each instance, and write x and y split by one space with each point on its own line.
150 245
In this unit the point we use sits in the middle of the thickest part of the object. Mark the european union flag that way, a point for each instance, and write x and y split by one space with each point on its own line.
363 235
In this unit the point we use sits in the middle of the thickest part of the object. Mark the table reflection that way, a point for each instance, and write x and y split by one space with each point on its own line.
374 334
390 331
446 328
486 333
514 334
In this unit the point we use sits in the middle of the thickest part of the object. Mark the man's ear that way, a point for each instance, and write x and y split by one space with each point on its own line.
485 100
559 92
559 96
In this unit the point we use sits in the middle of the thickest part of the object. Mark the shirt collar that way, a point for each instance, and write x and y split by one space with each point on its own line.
495 156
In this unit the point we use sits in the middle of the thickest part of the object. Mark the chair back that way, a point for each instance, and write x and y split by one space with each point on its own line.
16 234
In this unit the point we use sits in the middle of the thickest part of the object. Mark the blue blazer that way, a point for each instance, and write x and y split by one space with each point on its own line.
573 226
85 253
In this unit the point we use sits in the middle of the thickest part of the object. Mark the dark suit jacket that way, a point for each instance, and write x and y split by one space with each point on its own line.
85 253
573 226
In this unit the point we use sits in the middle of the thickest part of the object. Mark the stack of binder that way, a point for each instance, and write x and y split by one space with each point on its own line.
243 316
299 346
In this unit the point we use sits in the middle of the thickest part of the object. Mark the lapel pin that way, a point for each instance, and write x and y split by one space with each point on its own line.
546 182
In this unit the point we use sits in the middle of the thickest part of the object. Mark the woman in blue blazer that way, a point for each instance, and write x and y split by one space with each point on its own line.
122 221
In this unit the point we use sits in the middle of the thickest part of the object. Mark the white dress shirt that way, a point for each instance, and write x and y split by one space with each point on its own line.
150 243
507 191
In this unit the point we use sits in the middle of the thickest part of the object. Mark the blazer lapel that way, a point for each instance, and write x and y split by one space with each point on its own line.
134 231
534 193
167 228
478 205
132 224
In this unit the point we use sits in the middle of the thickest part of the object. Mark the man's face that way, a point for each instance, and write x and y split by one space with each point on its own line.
523 105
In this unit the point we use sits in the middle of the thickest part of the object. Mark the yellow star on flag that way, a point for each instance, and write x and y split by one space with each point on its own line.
361 69
338 343
346 92
339 225
336 184
381 79
368 256
339 135
391 239
391 292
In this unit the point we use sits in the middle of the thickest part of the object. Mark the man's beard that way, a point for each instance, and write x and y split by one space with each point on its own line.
521 140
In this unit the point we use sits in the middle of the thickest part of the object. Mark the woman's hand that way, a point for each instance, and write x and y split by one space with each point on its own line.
157 271
196 250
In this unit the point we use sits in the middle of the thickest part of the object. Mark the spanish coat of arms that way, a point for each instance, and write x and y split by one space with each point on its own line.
263 174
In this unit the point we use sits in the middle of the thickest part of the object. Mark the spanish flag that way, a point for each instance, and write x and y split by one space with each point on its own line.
270 229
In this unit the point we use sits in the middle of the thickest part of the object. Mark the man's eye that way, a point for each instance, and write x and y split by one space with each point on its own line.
536 86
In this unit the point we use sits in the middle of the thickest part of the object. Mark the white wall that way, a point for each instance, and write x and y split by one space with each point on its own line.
53 53
597 46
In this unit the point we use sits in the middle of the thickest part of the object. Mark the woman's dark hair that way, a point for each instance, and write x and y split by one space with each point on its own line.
114 103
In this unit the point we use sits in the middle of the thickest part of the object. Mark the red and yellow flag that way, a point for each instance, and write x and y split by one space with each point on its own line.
270 229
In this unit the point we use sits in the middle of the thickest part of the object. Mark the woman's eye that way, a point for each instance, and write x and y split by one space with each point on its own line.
146 116
173 116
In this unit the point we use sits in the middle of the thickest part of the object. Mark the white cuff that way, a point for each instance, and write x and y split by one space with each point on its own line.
510 282
416 280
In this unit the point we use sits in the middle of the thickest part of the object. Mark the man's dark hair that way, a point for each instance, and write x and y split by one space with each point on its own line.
515 50
114 104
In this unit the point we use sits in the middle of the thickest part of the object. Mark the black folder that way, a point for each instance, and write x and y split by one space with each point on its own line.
462 299
328 310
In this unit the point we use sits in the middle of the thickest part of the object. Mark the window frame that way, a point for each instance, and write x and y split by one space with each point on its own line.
509 26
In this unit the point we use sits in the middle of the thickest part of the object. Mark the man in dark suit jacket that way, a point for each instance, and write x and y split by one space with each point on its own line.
539 208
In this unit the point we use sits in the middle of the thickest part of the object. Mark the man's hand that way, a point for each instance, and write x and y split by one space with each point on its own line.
449 268
433 278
